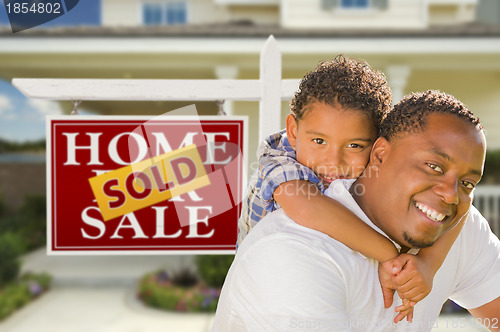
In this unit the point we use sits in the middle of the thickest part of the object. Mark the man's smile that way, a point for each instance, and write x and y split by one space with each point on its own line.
431 213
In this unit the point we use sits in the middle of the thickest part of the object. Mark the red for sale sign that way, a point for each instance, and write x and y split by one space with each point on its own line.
142 185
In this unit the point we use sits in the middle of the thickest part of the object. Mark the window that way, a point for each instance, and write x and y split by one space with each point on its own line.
152 13
354 4
169 13
176 13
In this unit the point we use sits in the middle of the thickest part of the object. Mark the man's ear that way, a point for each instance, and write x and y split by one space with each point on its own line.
380 150
291 129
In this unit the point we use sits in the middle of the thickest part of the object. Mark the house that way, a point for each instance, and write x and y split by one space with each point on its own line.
450 45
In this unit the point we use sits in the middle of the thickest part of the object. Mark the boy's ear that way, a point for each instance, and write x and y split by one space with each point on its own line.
380 150
291 129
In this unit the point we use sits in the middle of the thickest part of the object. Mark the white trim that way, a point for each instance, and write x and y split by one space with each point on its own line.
355 12
148 89
425 12
140 14
283 12
302 46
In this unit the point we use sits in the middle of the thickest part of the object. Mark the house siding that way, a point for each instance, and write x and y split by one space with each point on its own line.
400 14
451 14
121 13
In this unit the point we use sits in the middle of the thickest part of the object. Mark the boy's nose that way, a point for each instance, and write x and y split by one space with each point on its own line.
335 158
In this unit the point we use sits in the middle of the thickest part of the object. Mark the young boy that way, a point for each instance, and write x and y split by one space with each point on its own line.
329 134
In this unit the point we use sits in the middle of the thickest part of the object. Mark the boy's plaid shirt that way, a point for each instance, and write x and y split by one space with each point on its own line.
277 164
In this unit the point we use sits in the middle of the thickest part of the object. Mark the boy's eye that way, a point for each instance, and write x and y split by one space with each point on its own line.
435 168
355 146
319 141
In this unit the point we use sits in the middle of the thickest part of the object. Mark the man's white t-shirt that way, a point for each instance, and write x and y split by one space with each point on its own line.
286 277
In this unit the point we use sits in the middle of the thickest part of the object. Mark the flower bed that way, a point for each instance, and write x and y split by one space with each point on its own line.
184 290
16 294
158 290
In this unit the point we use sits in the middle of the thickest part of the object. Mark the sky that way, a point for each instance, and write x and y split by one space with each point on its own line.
23 119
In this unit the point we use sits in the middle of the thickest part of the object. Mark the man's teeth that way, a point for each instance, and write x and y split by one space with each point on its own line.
431 214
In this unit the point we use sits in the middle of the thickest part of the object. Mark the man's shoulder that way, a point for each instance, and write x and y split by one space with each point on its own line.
279 234
475 224
278 225
475 238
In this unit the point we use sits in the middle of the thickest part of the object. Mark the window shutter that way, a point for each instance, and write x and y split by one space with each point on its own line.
329 4
380 4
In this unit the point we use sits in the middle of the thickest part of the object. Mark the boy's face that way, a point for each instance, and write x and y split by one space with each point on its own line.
333 142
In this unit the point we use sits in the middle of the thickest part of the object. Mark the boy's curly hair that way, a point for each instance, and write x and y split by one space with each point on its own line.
350 83
409 114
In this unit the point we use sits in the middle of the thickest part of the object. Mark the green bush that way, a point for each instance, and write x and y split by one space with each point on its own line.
3 208
33 221
213 268
29 221
13 297
42 280
16 294
11 246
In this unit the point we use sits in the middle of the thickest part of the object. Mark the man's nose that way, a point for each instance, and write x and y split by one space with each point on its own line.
447 189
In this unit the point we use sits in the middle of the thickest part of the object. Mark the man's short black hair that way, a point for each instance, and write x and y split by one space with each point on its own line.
409 114
349 83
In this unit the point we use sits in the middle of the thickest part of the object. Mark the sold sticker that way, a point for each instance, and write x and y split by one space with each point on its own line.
148 182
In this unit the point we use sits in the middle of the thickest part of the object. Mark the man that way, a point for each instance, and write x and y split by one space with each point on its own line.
418 185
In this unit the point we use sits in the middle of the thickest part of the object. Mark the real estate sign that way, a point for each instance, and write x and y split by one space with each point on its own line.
141 185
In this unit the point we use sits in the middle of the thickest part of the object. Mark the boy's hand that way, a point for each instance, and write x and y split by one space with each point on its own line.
385 274
387 271
404 310
414 279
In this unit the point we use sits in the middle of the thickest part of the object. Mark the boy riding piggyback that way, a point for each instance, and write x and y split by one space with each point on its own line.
333 123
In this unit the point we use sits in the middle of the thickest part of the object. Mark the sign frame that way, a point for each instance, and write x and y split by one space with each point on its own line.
52 249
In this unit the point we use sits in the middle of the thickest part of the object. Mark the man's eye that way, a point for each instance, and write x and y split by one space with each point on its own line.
319 141
468 185
435 168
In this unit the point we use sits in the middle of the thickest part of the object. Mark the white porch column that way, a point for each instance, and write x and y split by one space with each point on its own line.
223 72
397 77
271 85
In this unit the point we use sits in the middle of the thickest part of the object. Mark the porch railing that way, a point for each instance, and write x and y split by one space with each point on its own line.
487 201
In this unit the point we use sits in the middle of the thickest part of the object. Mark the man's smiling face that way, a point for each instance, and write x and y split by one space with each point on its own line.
425 180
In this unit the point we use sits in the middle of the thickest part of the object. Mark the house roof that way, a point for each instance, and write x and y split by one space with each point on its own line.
247 29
